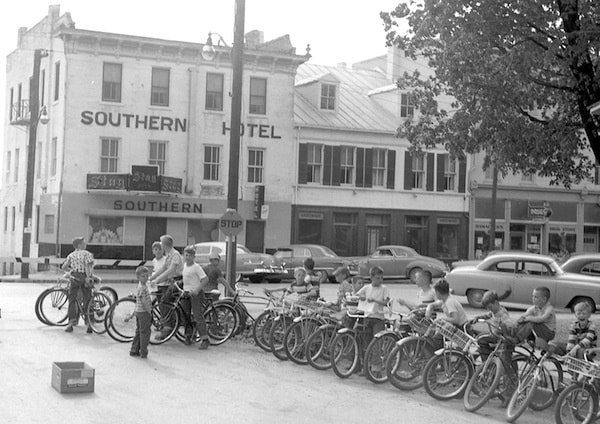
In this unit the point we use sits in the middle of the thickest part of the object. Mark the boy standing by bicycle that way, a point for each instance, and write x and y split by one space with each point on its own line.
80 263
194 281
373 298
143 311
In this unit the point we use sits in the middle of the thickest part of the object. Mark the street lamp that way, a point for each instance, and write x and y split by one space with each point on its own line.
237 59
35 115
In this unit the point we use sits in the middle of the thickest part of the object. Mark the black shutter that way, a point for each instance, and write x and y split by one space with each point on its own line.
408 175
391 169
368 167
462 175
360 167
327 165
335 166
302 163
441 171
430 169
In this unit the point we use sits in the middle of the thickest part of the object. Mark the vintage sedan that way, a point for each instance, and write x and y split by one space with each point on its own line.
326 260
400 262
254 266
514 276
586 263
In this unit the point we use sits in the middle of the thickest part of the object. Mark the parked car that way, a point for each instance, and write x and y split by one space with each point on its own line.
514 275
582 263
326 260
254 266
400 262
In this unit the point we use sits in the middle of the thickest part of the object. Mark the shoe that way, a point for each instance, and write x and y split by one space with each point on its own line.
187 341
203 345
69 328
144 356
134 353
89 330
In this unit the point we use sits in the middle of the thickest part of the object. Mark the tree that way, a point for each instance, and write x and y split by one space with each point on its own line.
522 73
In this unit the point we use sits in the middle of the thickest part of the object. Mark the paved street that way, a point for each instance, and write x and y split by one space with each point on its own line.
235 382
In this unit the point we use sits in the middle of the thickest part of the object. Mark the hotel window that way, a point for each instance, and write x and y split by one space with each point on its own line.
160 87
56 80
346 165
111 82
158 155
109 155
212 163
407 106
7 170
16 165
53 154
255 165
214 92
418 170
449 173
379 168
43 87
48 224
328 96
14 215
258 96
314 163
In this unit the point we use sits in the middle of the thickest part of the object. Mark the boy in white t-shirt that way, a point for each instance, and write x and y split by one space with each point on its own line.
372 300
194 280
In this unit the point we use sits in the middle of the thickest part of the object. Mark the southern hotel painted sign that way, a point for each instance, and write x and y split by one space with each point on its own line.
165 123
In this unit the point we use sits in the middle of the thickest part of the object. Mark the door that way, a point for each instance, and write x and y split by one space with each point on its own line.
529 276
255 236
155 227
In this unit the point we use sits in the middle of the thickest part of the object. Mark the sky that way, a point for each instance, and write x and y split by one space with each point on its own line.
337 30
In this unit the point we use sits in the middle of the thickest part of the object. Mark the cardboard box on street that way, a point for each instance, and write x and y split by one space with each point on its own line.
72 377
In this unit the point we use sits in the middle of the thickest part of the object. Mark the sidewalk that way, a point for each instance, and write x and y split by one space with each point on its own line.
111 276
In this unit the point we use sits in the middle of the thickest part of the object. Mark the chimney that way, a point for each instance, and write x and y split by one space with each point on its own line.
21 35
53 12
254 38
394 57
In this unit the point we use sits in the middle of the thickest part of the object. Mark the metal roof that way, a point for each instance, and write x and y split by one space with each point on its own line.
355 108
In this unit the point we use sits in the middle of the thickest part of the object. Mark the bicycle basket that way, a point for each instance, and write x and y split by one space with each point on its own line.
420 324
580 366
455 335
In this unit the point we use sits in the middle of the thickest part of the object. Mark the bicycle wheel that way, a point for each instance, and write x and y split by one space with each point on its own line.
165 321
523 394
96 310
549 385
110 293
221 321
577 404
120 321
483 384
295 339
344 354
405 363
261 328
37 310
277 336
446 376
318 347
376 356
53 306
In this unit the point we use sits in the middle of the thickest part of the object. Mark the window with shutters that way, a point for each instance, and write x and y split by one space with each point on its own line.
449 173
418 170
315 163
346 165
379 167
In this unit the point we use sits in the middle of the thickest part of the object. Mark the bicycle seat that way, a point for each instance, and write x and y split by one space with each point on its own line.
214 292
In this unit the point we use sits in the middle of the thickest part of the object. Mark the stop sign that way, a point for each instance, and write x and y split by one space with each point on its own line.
231 223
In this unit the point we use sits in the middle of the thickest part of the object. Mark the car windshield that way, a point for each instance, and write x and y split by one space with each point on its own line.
405 251
328 252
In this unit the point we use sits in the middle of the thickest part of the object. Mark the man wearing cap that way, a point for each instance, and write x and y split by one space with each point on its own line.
80 263
215 275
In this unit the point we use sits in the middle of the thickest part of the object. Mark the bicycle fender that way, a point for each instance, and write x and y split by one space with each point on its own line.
385 332
345 330
327 326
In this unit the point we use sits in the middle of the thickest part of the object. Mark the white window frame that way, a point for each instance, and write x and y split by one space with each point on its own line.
418 171
159 93
450 173
328 96
112 89
256 165
258 100
157 155
407 106
314 163
347 166
109 154
212 162
379 167
214 99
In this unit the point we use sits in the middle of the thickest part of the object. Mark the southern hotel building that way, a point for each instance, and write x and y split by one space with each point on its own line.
137 145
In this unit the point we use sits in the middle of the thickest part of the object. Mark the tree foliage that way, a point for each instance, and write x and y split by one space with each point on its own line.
523 74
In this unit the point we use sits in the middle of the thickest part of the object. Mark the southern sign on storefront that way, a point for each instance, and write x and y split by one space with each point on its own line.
133 120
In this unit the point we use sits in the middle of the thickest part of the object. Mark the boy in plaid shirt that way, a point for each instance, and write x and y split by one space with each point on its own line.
583 332
143 309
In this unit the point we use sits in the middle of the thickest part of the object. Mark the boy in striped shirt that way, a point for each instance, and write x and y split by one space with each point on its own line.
143 309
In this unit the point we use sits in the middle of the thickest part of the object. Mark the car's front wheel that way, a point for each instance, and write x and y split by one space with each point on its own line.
474 297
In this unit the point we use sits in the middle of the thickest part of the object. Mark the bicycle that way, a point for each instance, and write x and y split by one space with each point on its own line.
283 318
245 321
312 316
496 375
541 377
406 361
261 327
578 402
447 373
171 319
52 305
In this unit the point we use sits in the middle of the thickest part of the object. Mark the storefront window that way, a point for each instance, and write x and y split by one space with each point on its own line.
310 226
344 233
416 233
561 243
201 230
105 230
378 231
447 241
